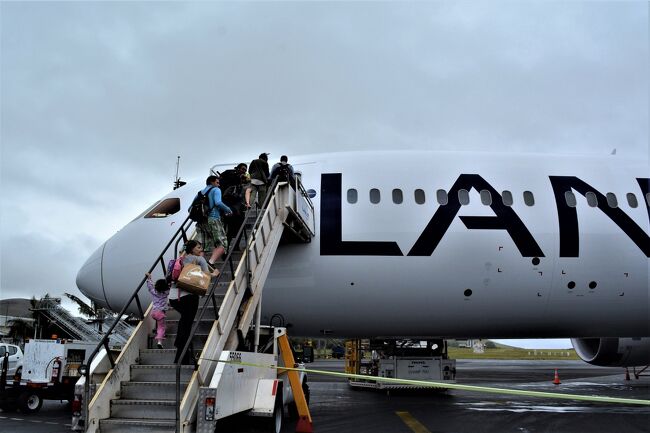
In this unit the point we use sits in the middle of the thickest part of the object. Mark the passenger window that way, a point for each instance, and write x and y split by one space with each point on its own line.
375 196
3 350
529 198
570 198
592 200
631 200
506 197
352 196
419 196
611 200
397 196
12 350
486 197
442 197
463 197
167 207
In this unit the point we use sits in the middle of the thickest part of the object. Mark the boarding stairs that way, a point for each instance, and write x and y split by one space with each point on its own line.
77 327
145 392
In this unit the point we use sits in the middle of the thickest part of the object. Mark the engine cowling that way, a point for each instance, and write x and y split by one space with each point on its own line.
613 352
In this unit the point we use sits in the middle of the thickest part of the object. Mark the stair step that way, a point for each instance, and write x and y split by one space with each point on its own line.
123 425
150 390
198 340
159 373
204 326
157 356
143 409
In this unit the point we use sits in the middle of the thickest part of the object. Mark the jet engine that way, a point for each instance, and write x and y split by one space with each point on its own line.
613 352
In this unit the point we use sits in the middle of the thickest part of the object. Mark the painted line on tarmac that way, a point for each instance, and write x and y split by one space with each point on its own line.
36 421
412 423
432 384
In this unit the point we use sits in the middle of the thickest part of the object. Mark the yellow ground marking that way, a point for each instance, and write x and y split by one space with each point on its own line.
413 424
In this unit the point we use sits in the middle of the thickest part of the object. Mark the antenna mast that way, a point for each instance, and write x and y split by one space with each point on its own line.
178 182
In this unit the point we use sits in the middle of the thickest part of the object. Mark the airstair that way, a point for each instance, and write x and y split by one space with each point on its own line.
77 327
144 391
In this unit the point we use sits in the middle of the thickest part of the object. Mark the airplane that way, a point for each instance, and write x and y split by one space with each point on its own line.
446 244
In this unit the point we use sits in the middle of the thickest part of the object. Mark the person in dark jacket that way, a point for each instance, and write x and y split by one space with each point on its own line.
283 169
259 172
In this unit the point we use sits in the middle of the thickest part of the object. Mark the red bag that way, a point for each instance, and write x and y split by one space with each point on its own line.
178 267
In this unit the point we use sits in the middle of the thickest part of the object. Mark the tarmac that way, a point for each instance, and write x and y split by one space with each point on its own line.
336 408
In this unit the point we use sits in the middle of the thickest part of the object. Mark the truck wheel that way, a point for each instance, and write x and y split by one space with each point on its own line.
274 423
29 402
292 408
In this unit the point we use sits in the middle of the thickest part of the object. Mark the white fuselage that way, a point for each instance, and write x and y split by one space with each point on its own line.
416 267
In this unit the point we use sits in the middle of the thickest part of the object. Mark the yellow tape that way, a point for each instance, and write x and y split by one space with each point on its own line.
486 389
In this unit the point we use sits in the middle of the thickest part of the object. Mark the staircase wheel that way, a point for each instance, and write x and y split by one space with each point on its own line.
292 409
274 423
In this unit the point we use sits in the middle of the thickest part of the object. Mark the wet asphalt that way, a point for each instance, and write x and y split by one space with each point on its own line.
336 408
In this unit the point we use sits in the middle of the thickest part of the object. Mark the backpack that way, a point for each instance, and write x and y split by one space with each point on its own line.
229 178
200 208
232 195
174 268
283 173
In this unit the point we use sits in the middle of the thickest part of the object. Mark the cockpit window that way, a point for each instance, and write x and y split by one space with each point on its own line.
163 209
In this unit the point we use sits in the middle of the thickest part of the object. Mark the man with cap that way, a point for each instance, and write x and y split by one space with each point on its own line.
259 172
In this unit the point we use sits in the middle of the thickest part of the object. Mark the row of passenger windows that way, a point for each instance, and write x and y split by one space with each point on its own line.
486 197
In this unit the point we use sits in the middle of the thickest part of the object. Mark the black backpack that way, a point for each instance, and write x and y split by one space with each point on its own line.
283 173
229 178
200 208
233 195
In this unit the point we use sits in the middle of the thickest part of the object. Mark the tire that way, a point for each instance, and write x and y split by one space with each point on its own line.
274 423
292 409
30 402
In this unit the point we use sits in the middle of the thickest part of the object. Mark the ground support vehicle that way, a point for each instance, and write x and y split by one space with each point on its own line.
50 370
252 382
424 360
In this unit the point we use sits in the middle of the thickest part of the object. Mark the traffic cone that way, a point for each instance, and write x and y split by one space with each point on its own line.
556 379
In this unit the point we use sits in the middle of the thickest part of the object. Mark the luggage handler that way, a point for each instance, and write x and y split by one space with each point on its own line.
251 381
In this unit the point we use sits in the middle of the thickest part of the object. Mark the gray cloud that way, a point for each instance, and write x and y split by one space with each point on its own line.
98 99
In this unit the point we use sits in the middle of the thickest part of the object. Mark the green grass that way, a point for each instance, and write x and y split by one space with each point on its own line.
505 352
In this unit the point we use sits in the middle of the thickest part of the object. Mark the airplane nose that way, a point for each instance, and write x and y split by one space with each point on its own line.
90 279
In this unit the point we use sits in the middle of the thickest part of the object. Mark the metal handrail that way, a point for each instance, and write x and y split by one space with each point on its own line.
210 297
134 296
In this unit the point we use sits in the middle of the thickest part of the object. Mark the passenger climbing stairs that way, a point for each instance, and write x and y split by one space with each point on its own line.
144 390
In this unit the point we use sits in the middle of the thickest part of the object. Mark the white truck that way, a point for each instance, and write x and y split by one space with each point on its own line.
425 361
50 371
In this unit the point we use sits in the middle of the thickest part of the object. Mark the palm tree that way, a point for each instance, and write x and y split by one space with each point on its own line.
91 311
20 329
85 309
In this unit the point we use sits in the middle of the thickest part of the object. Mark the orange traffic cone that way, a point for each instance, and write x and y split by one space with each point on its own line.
556 379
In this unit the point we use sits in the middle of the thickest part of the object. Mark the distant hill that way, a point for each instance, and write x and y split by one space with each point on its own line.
16 307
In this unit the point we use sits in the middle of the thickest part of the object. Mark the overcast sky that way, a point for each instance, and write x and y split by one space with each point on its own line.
98 99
